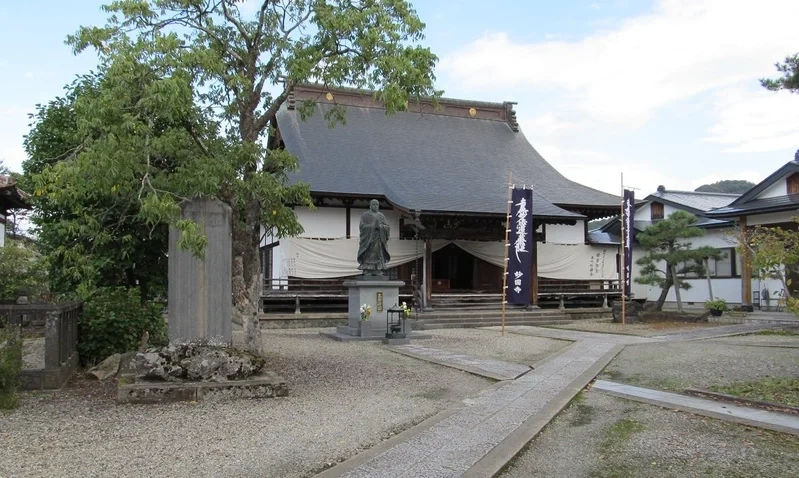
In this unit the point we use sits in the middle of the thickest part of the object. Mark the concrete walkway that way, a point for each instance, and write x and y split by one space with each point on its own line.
481 436
755 417
477 438
493 369
575 335
715 332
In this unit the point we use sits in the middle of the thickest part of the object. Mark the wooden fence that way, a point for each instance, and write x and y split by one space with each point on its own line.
57 326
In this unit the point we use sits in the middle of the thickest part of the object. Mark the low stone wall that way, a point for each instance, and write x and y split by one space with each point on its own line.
589 313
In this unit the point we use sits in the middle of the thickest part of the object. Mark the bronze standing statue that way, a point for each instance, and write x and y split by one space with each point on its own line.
372 249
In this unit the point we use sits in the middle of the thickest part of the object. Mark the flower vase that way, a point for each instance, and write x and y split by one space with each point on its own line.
366 328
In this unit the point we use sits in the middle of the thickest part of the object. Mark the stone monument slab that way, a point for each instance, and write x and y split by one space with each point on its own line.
200 297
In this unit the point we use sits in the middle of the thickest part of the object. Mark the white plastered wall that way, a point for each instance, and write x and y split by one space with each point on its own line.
780 188
326 222
563 234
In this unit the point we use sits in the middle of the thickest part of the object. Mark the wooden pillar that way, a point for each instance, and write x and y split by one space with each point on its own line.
746 267
428 271
534 274
349 219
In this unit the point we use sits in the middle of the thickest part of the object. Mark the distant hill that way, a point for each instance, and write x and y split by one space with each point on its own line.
736 186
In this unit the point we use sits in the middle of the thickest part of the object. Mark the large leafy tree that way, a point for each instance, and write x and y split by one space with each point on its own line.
669 256
774 254
217 78
87 214
737 186
790 76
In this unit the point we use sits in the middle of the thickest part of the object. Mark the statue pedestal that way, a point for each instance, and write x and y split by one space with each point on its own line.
381 295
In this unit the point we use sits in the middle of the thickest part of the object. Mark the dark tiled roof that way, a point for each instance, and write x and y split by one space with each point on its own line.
11 197
775 204
427 162
699 201
606 238
788 168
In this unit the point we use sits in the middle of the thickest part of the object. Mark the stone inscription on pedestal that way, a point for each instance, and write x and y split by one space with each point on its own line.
200 301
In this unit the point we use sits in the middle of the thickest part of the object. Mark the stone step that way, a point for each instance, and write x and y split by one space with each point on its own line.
445 314
466 324
462 317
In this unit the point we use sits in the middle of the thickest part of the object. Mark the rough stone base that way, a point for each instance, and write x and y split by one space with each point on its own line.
264 385
632 311
404 341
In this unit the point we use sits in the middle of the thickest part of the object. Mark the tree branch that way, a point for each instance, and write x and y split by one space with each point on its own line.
261 121
190 128
239 26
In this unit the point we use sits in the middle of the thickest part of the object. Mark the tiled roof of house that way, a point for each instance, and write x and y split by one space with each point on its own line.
428 161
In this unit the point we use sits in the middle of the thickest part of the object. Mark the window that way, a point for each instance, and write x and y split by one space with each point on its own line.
688 269
724 267
793 183
656 211
267 258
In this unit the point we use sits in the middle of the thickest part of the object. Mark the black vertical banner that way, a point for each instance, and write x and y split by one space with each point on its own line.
521 241
628 213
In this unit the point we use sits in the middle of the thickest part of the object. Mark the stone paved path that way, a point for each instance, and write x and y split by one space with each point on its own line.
783 422
479 438
495 369
453 445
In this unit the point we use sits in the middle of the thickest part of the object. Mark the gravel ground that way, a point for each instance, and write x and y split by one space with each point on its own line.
766 340
603 436
344 397
644 330
699 364
490 344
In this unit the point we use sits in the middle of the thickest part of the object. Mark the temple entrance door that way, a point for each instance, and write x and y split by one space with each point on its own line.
453 269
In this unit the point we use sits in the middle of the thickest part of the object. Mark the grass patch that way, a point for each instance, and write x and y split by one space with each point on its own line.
619 433
783 332
779 390
583 414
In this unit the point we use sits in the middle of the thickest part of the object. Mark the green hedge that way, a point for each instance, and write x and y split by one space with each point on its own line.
113 321
10 368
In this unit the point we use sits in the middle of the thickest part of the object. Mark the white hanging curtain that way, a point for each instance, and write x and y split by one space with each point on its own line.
323 259
555 261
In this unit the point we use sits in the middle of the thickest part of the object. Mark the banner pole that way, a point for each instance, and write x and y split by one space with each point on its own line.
505 262
623 275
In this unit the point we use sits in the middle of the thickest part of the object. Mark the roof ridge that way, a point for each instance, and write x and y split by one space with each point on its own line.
702 192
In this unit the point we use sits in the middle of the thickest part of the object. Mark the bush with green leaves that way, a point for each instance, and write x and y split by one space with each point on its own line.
22 270
114 320
10 368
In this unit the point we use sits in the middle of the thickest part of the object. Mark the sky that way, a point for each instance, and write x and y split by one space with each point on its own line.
662 92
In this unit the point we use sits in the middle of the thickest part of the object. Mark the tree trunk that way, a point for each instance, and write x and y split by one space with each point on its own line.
664 292
709 281
673 270
246 292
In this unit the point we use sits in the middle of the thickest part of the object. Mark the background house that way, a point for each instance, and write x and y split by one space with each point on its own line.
773 202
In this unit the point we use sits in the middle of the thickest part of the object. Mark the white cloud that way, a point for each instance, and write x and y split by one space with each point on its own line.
683 48
28 75
754 122
13 157
546 125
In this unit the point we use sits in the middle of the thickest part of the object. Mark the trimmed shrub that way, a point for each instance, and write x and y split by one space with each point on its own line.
21 270
114 320
10 367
